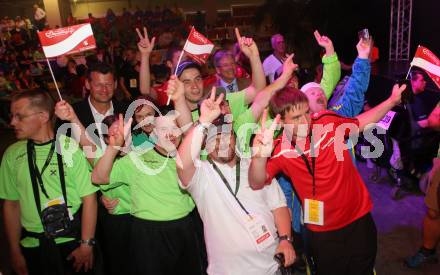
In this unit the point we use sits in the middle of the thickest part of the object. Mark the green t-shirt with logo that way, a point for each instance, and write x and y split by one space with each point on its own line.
155 192
120 191
16 184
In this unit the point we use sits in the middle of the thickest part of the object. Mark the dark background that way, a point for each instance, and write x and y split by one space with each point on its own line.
342 19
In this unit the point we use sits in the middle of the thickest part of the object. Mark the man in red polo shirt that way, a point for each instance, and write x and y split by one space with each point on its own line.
341 233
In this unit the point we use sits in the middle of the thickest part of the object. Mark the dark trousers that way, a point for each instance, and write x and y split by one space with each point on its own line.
116 238
164 247
349 250
200 235
33 256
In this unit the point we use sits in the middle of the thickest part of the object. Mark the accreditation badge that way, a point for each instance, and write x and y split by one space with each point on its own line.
314 212
133 83
259 232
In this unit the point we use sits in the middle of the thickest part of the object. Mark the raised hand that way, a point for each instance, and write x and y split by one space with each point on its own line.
289 66
325 42
175 89
364 48
210 108
263 141
396 94
118 138
64 111
145 45
247 45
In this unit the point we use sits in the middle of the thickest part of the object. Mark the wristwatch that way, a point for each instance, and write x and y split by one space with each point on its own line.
285 237
89 242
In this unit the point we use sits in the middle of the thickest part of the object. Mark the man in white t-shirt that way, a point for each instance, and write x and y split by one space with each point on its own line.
244 229
274 61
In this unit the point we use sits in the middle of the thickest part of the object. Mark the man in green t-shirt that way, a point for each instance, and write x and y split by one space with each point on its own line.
37 184
161 210
245 122
189 73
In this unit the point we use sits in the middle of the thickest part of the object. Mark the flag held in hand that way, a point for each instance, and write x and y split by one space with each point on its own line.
68 40
427 61
198 47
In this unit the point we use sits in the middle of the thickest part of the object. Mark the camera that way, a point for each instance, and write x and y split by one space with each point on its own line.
56 221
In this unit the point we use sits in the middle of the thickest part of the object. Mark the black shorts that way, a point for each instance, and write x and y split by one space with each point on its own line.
34 255
164 247
116 237
349 250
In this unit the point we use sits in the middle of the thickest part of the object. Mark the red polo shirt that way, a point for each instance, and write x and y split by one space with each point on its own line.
337 182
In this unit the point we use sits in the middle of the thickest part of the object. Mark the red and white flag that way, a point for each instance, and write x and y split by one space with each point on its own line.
427 61
68 40
198 47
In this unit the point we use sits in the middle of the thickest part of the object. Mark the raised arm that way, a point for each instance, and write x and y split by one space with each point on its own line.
263 98
189 150
145 47
176 90
250 50
377 113
262 147
65 112
352 101
332 68
101 171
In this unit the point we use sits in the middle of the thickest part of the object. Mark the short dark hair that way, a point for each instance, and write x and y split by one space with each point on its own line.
187 65
286 99
416 72
38 98
99 67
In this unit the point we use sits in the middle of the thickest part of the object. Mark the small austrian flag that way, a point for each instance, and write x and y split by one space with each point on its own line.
427 61
68 40
198 47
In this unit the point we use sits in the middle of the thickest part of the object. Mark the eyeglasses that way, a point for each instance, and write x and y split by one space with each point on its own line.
21 117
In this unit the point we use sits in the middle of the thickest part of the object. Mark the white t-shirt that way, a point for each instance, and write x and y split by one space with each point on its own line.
230 248
270 66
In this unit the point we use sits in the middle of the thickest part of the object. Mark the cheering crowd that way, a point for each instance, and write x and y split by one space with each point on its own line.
249 169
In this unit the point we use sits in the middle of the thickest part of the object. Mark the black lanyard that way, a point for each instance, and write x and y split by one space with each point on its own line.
237 182
36 175
310 168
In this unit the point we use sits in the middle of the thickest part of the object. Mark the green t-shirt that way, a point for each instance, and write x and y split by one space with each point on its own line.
155 192
120 191
237 104
16 184
244 126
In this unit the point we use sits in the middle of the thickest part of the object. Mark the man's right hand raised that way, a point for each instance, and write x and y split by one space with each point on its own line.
263 140
210 108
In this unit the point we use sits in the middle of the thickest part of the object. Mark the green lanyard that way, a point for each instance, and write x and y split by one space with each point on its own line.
237 185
